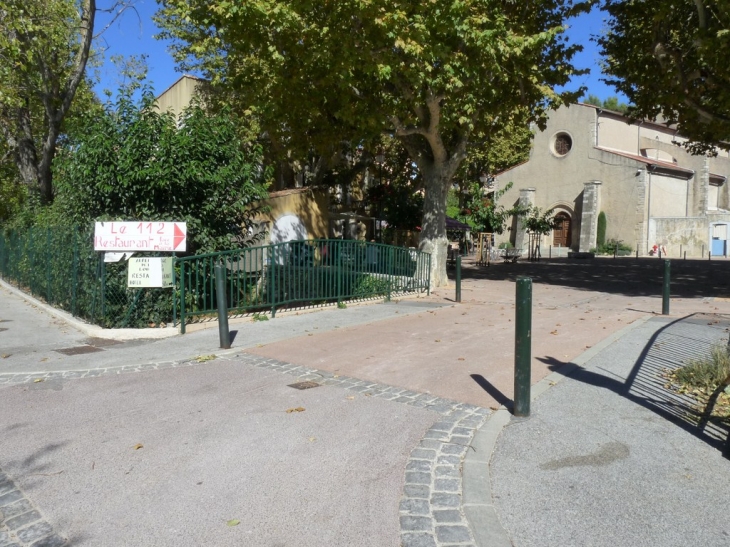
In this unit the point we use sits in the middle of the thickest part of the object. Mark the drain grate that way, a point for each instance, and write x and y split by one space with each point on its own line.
78 350
304 385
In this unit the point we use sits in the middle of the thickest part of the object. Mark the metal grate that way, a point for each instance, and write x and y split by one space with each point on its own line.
304 385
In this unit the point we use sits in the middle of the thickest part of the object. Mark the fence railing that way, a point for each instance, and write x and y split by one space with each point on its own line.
60 266
298 272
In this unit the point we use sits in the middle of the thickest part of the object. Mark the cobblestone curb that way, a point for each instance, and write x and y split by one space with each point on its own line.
21 524
431 512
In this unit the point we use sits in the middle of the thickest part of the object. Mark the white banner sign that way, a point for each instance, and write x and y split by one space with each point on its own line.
150 272
140 236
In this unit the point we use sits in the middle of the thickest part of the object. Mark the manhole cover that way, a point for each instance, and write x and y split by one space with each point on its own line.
304 385
78 350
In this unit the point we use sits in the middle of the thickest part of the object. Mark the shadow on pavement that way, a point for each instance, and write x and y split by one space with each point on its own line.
495 393
627 276
669 348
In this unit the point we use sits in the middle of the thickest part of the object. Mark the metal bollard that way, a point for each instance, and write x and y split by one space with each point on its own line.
220 288
523 346
665 288
458 278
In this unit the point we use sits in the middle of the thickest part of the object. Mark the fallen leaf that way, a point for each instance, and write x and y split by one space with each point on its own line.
437 340
312 439
138 446
310 334
297 409
44 359
233 522
38 380
351 397
203 358
5 355
554 332
461 359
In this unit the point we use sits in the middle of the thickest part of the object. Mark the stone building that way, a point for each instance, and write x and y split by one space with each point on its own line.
652 191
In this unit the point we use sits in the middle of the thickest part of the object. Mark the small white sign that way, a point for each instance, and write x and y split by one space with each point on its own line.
150 272
140 236
116 257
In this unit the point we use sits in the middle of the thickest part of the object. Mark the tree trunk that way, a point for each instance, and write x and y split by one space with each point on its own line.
437 179
26 157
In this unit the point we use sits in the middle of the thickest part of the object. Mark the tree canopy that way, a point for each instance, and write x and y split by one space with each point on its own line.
435 75
135 163
610 103
670 59
45 46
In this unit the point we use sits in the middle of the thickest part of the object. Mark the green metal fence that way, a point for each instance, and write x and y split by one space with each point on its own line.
298 273
59 266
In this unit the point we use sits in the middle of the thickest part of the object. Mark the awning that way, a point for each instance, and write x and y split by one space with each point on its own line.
453 224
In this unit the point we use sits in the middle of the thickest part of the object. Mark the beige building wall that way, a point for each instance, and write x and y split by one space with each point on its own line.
178 96
297 213
668 196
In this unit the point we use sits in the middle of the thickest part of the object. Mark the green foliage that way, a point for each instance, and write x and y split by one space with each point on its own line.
485 211
368 285
669 58
611 246
612 103
45 46
601 229
341 306
259 317
537 221
134 163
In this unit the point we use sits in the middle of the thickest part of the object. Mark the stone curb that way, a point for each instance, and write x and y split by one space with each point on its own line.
21 524
479 508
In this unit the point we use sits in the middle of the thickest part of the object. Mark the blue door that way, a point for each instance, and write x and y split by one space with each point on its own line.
719 247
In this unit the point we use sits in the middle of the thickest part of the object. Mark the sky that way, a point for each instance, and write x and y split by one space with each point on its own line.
133 34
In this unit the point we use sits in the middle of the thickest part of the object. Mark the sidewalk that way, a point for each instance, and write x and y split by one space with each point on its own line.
608 456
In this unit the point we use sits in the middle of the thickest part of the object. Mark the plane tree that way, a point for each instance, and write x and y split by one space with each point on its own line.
669 59
435 75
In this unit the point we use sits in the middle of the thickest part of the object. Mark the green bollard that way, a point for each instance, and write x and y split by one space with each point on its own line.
220 288
523 346
665 289
458 278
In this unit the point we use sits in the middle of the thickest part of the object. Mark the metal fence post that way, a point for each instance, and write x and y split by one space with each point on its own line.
224 334
523 346
182 297
458 278
272 280
102 268
75 285
665 291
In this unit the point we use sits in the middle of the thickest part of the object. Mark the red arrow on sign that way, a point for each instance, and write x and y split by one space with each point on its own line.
178 238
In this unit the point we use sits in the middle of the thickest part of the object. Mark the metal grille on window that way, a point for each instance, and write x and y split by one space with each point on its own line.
562 144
